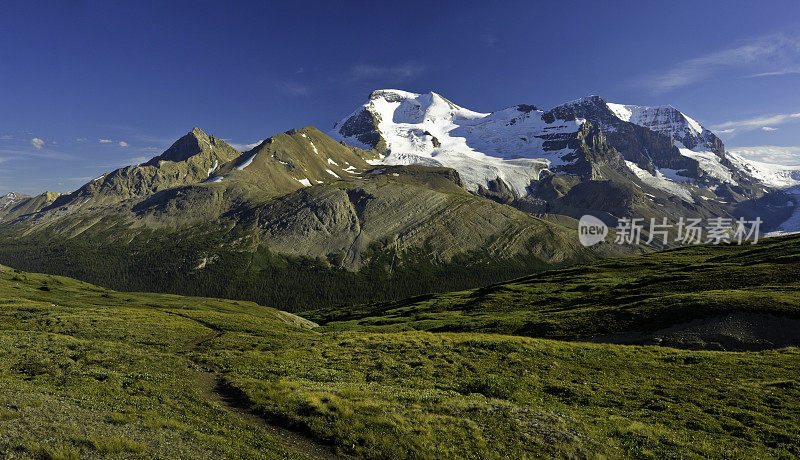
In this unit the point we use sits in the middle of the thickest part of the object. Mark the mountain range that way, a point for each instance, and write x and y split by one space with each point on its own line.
409 193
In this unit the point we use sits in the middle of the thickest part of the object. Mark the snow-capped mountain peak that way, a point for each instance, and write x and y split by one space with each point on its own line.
663 119
514 144
658 147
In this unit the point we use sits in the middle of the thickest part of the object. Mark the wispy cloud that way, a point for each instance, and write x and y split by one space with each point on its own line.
765 122
244 147
772 54
104 141
9 154
770 154
399 72
6 137
792 71
135 160
489 38
37 143
294 88
122 144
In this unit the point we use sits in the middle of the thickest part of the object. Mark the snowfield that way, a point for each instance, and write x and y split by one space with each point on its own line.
771 175
661 182
792 224
428 129
247 162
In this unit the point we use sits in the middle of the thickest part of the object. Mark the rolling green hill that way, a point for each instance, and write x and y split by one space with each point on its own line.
86 372
731 297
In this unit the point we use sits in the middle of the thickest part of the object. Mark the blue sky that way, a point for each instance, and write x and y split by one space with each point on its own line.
87 86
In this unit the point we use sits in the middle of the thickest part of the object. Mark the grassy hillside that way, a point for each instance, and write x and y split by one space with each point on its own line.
89 372
746 289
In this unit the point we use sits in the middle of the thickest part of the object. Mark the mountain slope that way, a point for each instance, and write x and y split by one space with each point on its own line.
192 158
408 208
295 159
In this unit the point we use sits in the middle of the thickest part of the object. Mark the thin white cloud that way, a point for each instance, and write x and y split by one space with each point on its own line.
136 160
489 38
793 71
768 128
123 144
245 147
367 72
37 143
46 153
80 139
6 137
294 88
766 55
104 141
770 154
761 122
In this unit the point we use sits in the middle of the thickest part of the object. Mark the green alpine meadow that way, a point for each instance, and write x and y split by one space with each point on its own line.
91 372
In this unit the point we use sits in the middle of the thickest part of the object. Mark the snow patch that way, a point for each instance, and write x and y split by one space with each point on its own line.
620 111
659 181
310 142
246 162
675 175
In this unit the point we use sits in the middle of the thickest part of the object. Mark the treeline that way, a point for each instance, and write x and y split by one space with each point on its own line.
153 263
